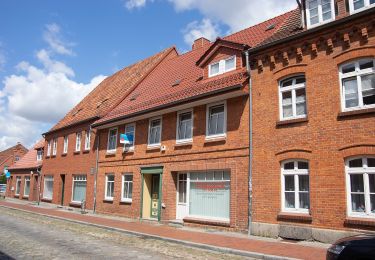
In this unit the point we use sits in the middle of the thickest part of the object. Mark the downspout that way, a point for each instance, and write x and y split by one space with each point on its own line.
250 142
96 167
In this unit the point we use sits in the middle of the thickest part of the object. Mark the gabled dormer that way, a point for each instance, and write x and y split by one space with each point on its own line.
221 57
319 12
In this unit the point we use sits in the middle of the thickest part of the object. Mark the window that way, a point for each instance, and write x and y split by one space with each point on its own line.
18 185
39 155
26 188
184 126
48 187
79 188
49 148
16 158
295 186
319 11
359 5
54 150
216 120
87 140
154 132
360 182
358 84
127 187
222 66
292 94
130 132
209 195
78 142
112 140
66 142
109 186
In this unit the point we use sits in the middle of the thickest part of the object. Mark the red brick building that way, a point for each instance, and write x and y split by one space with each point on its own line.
70 149
25 175
313 124
11 155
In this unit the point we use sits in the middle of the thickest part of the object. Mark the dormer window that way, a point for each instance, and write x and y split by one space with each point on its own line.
319 12
222 66
39 155
359 5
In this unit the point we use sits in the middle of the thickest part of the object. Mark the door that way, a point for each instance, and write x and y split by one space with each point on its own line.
35 188
155 196
182 209
62 188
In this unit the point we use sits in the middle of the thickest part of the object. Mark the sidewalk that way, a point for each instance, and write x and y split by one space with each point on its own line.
241 245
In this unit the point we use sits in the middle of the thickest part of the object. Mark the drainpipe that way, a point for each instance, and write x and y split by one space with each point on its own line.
250 142
96 166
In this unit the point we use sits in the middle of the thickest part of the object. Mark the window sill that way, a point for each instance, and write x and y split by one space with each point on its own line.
110 153
85 151
46 200
184 143
218 138
25 197
128 151
291 121
212 222
358 221
153 147
126 201
297 217
75 204
53 156
77 152
64 154
109 200
16 195
350 113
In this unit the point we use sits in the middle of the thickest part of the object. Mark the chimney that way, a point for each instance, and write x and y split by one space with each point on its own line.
199 43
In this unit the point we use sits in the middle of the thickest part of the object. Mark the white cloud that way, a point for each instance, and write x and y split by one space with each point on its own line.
195 30
131 4
52 35
237 14
38 96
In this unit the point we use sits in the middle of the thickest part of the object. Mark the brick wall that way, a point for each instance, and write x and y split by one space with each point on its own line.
326 138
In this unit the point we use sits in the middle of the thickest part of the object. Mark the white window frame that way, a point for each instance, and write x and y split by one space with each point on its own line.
66 143
123 199
293 88
130 148
186 140
87 140
54 148
216 136
296 173
365 172
75 180
18 185
367 5
357 73
47 178
49 146
39 155
109 134
106 186
78 141
149 132
26 179
222 69
320 14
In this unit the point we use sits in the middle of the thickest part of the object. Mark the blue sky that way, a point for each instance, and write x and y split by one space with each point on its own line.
52 53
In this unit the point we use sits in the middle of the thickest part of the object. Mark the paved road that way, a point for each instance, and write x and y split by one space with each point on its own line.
29 236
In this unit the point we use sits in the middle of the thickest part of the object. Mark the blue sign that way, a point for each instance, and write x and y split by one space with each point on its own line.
126 138
7 173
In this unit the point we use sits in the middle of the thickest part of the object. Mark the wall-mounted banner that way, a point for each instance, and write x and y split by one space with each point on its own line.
126 138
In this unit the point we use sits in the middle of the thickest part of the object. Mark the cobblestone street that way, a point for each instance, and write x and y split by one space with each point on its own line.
28 236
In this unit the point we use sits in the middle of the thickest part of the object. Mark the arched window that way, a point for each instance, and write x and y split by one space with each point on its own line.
295 183
360 182
292 93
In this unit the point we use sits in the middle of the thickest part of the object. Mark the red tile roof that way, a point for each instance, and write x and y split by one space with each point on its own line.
112 90
29 161
159 88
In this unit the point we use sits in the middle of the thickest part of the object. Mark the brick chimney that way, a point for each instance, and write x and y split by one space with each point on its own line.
200 42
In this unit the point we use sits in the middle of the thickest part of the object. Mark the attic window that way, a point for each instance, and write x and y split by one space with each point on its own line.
222 66
134 97
76 112
176 83
101 102
270 27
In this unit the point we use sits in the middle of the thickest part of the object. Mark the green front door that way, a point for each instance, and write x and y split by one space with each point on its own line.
155 196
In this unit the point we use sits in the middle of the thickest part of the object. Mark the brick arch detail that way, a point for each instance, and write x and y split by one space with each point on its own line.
357 150
290 70
290 154
354 54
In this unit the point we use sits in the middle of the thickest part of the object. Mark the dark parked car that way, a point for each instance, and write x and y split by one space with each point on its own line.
361 247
